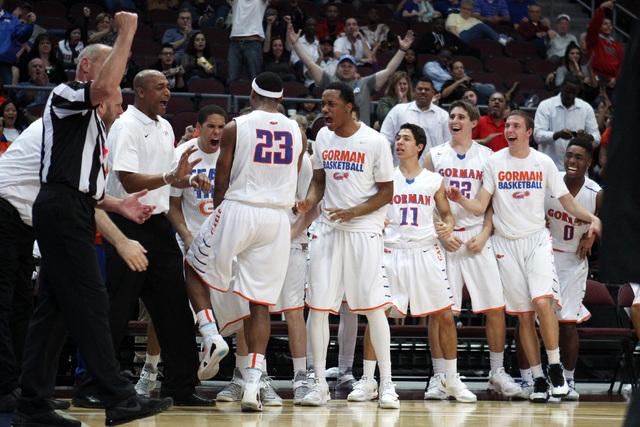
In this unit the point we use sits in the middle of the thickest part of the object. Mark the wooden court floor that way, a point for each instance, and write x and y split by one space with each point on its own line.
596 408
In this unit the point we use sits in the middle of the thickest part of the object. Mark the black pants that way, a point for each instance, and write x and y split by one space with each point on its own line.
72 295
163 291
16 292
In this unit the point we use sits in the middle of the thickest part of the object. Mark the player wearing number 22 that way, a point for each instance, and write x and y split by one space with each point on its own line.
255 185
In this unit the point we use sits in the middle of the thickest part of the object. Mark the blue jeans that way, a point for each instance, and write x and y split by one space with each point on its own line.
5 73
479 31
244 53
485 90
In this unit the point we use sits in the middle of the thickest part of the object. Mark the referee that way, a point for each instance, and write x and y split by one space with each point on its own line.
72 294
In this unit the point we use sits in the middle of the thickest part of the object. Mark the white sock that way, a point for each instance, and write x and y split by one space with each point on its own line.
347 336
253 372
569 374
450 368
526 375
553 356
207 323
537 371
438 365
369 368
299 364
496 361
152 360
385 371
319 333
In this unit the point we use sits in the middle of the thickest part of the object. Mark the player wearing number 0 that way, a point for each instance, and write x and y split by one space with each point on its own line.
515 181
570 249
470 256
255 185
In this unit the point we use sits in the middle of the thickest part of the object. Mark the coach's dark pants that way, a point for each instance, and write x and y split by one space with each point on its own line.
163 291
72 295
16 292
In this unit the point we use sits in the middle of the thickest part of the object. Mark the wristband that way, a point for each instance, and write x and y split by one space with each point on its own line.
164 178
403 50
191 180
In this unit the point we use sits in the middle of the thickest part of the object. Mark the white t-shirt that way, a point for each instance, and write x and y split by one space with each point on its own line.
196 204
247 18
564 231
343 45
265 161
465 172
304 180
20 171
353 166
138 144
411 211
518 187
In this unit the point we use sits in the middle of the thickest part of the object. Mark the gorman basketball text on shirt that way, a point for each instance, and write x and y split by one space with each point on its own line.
343 159
519 180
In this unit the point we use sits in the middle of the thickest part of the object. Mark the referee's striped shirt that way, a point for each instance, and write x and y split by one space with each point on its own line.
73 149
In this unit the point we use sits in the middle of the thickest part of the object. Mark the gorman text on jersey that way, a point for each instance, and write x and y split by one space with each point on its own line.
517 180
343 159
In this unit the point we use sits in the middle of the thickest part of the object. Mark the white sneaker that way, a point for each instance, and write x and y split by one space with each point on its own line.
388 396
268 394
433 391
147 382
573 394
251 398
526 388
364 390
455 388
215 348
317 395
300 387
501 382
233 391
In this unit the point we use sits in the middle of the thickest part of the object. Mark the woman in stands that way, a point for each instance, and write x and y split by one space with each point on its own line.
70 47
277 59
43 48
197 61
105 32
453 90
10 124
398 91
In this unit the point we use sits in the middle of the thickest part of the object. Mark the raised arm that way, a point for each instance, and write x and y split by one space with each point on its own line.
383 75
314 70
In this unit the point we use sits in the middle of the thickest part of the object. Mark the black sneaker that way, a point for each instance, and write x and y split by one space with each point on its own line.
136 407
8 401
540 390
49 418
559 386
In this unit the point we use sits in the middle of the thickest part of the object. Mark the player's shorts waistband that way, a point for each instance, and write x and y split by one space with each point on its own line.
474 227
410 245
558 250
301 246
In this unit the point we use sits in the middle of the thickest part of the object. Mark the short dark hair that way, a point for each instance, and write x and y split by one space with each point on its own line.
572 78
528 121
471 110
418 134
208 110
167 46
269 81
583 142
425 79
346 93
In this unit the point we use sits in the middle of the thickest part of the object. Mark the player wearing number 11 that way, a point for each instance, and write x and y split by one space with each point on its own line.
255 185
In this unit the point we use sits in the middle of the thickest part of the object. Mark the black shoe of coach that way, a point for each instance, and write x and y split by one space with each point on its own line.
49 418
136 407
192 400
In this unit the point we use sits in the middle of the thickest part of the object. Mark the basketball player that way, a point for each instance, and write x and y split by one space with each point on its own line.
570 250
354 174
518 178
470 257
255 185
413 260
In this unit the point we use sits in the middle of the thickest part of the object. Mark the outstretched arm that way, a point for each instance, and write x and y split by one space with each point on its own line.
382 76
477 206
314 70
576 209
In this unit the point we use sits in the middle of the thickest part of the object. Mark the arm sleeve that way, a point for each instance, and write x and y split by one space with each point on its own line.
593 29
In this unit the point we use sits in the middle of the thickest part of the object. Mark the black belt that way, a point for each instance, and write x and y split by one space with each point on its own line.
7 206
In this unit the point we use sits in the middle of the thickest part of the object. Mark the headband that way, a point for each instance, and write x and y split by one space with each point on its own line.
266 93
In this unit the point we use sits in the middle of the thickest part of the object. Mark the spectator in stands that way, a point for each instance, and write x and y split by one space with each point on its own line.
12 31
43 49
490 128
604 51
291 9
70 47
325 61
21 11
353 43
197 61
438 70
130 72
207 13
423 112
274 25
439 37
535 29
470 96
311 45
179 36
376 33
410 66
308 110
10 122
170 68
446 7
560 39
454 88
518 10
573 65
492 12
346 72
247 36
331 26
398 91
277 58
562 117
106 31
37 77
469 28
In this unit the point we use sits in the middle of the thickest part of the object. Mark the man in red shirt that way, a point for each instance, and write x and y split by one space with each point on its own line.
606 53
490 129
332 26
